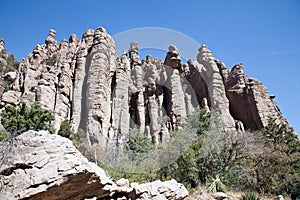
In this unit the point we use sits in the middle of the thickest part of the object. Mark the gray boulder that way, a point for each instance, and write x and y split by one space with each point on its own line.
40 165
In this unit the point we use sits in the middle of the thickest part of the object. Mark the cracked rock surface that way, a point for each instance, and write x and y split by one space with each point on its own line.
39 165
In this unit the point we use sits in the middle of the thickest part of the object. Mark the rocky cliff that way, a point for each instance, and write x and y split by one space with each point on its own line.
85 82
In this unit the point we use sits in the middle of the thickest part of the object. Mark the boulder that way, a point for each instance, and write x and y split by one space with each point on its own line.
10 75
40 165
11 97
220 195
156 190
161 190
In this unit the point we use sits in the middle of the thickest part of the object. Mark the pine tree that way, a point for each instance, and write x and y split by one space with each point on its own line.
20 119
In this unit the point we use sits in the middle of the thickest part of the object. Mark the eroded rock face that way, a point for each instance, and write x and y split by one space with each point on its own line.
98 88
174 83
40 165
250 101
2 42
11 97
84 82
120 99
79 81
217 94
137 80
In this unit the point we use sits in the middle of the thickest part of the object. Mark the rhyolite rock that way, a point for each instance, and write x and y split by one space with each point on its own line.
217 94
84 82
97 103
158 190
40 165
11 97
250 101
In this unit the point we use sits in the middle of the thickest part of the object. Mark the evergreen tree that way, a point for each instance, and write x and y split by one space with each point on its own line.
281 134
20 119
65 129
138 143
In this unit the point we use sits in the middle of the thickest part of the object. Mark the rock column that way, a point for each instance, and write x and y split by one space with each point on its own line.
120 101
216 89
79 88
99 88
174 69
137 76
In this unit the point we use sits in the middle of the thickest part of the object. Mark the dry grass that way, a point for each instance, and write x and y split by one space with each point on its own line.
202 193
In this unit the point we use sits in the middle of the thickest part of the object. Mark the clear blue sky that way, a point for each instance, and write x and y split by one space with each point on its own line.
262 34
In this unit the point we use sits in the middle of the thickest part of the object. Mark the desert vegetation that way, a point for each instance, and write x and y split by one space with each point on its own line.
265 161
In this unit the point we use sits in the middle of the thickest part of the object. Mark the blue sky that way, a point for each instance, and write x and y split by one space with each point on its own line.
262 34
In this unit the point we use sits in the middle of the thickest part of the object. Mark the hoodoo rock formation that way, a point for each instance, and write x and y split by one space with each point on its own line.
85 82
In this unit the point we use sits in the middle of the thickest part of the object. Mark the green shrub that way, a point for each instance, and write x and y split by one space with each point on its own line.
115 174
216 185
3 52
139 143
281 134
80 135
9 81
80 141
281 167
4 135
189 168
22 118
65 129
200 121
51 61
250 196
38 77
265 162
11 61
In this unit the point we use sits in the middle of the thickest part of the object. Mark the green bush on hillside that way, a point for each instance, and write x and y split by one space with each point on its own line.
23 118
138 143
51 61
264 162
11 61
65 129
4 135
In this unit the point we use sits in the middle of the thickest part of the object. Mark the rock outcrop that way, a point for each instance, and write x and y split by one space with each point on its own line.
161 190
84 82
8 74
217 94
101 61
153 190
250 101
40 165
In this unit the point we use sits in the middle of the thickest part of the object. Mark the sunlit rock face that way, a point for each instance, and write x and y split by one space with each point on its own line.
40 165
86 83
